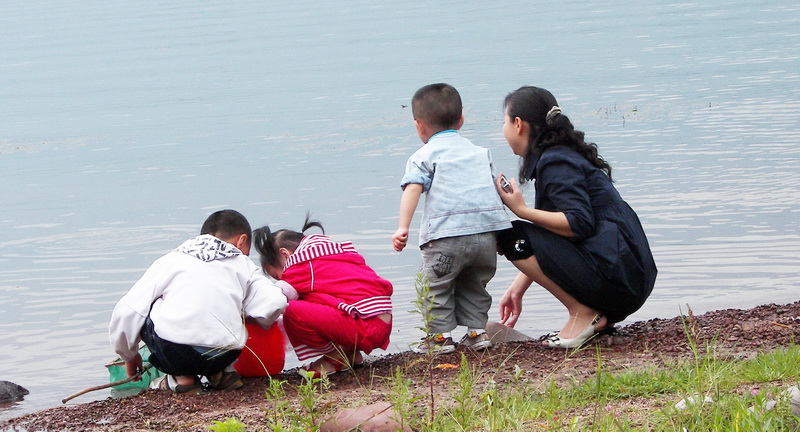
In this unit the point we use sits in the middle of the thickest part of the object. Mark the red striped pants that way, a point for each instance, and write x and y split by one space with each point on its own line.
315 329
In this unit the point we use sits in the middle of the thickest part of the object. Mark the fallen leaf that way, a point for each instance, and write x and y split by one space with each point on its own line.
445 366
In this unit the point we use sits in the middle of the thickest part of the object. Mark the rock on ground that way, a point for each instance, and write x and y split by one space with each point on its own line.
377 417
11 392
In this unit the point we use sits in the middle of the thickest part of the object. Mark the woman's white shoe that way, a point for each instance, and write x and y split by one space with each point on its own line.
554 341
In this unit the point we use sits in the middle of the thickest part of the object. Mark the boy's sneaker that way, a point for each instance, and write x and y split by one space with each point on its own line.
475 341
436 344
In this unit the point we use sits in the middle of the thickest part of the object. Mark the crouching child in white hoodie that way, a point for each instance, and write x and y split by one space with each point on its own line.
190 305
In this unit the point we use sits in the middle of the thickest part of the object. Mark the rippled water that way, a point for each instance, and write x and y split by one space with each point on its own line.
123 125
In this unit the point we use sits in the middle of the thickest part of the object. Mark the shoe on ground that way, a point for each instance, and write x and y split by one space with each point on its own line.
475 341
324 366
435 344
554 341
229 380
168 382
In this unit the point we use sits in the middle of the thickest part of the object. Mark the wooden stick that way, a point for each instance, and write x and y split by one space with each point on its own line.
104 386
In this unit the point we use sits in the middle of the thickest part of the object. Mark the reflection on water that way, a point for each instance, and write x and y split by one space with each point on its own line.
124 126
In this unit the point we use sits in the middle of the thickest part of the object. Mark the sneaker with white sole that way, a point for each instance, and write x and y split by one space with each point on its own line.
436 344
475 341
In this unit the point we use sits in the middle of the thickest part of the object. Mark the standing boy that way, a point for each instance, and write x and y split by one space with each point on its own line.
461 214
189 308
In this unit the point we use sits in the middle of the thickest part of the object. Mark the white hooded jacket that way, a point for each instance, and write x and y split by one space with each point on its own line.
199 293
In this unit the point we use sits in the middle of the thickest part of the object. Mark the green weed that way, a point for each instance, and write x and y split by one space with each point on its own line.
742 395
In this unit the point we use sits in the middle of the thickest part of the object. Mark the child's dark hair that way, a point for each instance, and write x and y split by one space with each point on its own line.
226 224
438 105
268 243
549 127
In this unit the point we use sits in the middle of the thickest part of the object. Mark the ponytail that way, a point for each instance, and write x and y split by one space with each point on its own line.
268 243
309 223
264 242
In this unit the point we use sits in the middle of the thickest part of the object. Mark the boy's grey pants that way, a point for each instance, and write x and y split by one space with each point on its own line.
458 269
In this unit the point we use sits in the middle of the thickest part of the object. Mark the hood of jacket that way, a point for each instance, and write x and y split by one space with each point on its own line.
207 248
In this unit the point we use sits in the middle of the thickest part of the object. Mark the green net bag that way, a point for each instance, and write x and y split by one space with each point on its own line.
117 372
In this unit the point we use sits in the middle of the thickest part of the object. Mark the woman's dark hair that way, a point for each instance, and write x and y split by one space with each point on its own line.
533 104
268 243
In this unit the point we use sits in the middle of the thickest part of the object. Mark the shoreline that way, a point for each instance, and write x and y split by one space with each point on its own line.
735 333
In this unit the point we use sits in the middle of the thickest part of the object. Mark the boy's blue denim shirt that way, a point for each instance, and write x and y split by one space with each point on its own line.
457 178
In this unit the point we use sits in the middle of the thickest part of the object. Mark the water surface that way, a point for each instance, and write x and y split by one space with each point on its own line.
124 125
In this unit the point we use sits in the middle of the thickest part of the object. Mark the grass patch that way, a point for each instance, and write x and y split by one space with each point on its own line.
723 394
781 364
705 392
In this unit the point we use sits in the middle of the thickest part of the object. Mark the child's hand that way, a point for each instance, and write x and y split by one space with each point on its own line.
399 239
134 367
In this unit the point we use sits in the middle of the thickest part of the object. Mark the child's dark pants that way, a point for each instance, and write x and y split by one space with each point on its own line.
185 360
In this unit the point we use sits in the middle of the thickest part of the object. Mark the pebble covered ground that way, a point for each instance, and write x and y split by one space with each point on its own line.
735 334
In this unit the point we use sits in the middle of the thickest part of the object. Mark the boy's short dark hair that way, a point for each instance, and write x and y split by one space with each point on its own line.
438 105
226 224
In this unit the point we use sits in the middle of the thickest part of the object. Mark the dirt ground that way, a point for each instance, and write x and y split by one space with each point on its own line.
737 334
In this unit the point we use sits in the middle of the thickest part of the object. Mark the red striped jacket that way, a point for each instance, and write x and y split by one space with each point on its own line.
334 273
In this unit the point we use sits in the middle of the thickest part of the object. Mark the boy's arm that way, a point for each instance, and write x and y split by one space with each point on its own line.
408 204
131 311
123 330
300 276
263 301
288 290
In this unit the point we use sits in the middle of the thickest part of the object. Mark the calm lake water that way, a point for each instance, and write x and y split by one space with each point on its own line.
124 124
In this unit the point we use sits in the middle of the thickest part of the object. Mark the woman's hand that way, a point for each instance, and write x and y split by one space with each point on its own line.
554 221
514 199
510 307
511 303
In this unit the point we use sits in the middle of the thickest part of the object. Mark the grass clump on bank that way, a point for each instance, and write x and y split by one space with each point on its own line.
715 393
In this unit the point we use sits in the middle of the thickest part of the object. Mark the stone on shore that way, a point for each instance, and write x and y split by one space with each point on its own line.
378 417
794 399
11 392
500 333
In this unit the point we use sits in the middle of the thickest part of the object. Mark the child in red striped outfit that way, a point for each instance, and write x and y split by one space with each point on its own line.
341 307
